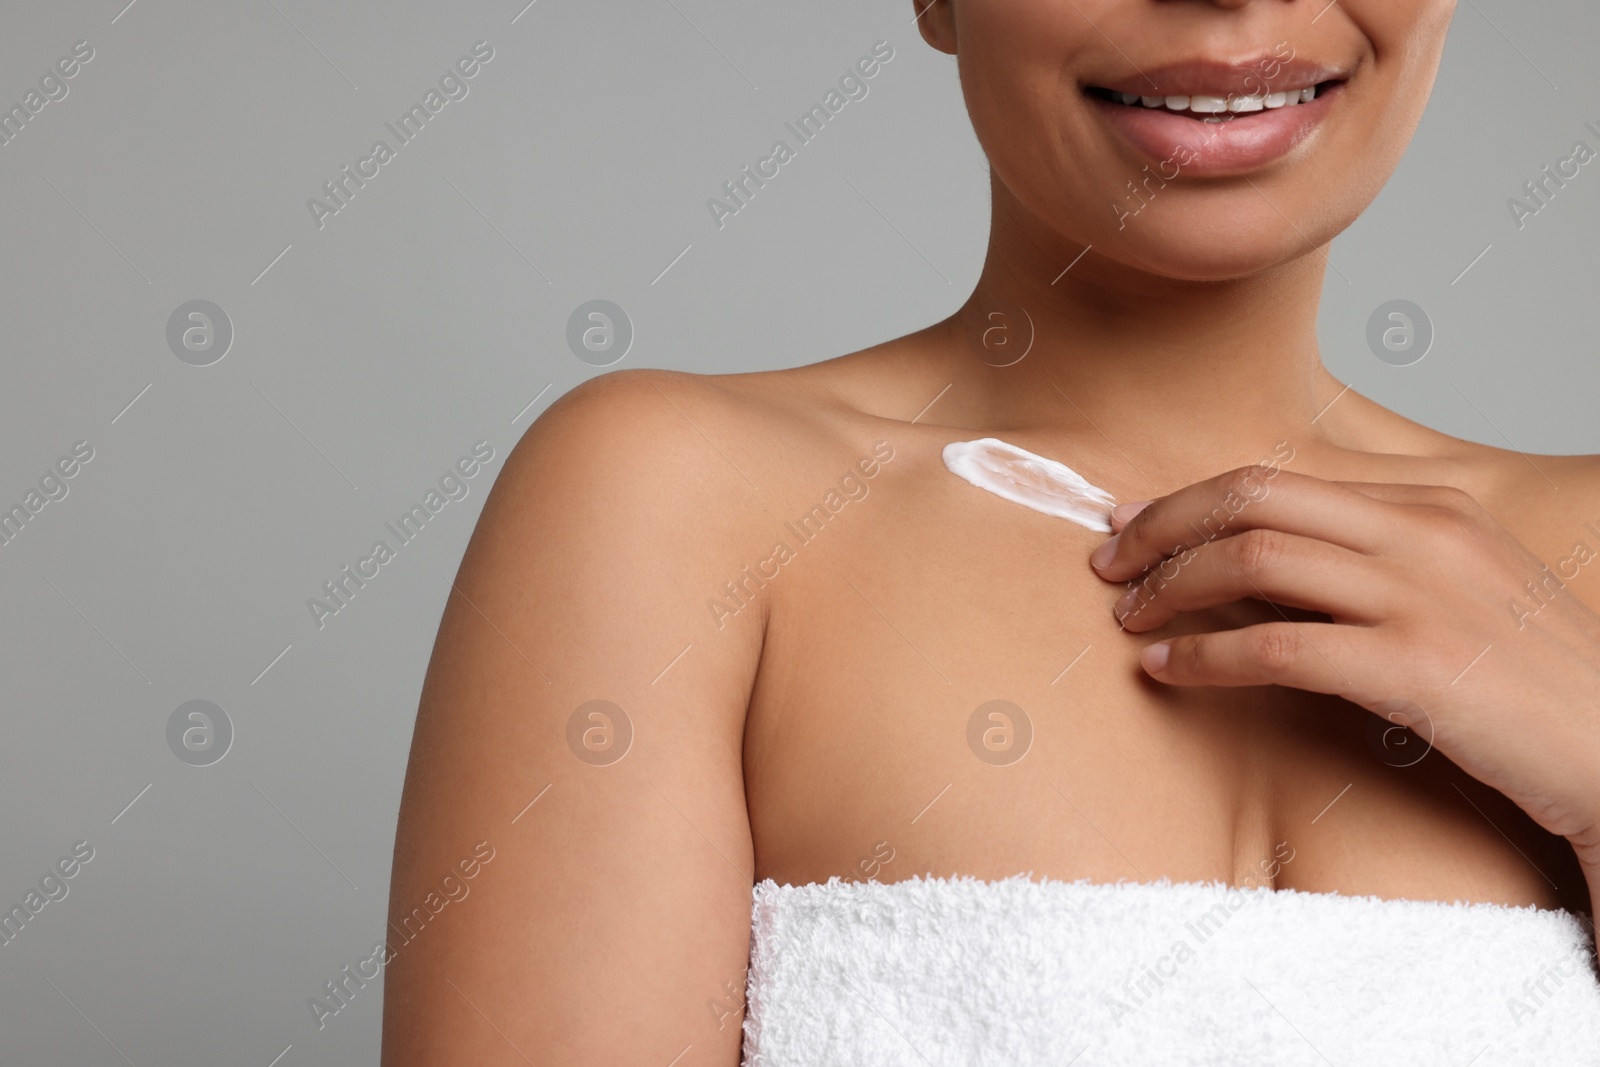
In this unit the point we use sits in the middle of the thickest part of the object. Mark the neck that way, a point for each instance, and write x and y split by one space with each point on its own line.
1159 367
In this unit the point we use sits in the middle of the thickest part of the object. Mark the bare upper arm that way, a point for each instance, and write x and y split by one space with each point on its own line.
613 917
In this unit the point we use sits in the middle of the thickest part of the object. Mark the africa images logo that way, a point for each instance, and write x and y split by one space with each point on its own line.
852 86
452 86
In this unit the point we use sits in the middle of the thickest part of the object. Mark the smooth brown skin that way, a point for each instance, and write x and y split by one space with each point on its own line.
823 726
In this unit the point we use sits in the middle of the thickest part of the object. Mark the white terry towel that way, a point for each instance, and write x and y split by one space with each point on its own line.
935 972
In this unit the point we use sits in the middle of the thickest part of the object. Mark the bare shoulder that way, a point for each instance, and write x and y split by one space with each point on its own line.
580 722
1560 495
664 420
1549 503
674 447
1543 498
632 447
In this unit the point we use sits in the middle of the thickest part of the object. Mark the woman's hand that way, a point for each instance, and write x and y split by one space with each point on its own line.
1440 620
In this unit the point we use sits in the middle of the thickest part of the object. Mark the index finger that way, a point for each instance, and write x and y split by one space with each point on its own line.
1247 498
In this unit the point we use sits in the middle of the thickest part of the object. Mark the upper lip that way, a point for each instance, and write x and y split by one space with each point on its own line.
1264 74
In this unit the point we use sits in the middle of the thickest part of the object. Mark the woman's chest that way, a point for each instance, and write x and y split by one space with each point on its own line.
935 699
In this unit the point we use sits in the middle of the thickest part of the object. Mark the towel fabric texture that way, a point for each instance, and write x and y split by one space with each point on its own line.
931 972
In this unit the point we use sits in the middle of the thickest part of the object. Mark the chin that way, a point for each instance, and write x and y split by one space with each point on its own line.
1199 245
1212 235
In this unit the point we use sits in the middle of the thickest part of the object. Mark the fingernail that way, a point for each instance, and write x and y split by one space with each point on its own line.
1155 656
1101 557
1125 512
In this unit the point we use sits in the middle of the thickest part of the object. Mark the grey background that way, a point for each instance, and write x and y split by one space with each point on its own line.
427 315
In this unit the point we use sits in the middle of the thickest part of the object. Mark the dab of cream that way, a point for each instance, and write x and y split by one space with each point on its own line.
1033 481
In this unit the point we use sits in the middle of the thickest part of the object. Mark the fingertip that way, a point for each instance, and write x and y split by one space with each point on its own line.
1154 657
1102 556
1122 514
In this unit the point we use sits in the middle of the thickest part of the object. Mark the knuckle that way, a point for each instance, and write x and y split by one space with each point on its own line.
1448 522
1258 551
1453 497
1248 482
1453 508
1277 645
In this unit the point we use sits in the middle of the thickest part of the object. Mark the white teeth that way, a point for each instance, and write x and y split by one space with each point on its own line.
1201 104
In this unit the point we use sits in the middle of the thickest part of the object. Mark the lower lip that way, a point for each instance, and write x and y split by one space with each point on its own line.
1244 142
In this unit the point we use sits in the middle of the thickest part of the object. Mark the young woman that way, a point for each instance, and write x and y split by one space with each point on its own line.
715 631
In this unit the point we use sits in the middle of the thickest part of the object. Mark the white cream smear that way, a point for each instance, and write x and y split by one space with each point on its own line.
1032 481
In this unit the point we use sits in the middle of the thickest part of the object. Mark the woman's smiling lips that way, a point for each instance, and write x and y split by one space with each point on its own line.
1212 119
